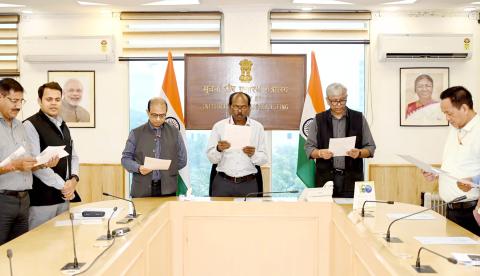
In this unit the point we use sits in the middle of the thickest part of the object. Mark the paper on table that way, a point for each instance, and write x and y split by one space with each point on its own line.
49 153
13 155
427 168
446 240
467 258
237 136
414 217
340 146
157 164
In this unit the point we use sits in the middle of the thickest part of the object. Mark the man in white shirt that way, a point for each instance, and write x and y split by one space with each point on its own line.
461 155
236 172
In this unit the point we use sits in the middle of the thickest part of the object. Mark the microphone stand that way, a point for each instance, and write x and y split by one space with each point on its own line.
134 212
426 268
109 234
75 266
397 240
266 193
377 201
10 255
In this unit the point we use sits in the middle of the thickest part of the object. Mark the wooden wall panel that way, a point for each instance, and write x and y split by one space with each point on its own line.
400 182
98 178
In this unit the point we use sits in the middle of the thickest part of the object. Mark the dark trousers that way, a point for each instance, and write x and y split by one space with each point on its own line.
464 218
340 187
225 187
157 190
13 217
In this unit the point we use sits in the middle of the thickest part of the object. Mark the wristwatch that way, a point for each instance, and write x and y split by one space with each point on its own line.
75 176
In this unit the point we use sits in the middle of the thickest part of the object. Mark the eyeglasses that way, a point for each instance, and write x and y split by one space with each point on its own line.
17 101
239 107
337 102
157 116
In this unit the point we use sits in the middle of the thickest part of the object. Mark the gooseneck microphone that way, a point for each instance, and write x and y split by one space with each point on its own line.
268 193
75 266
134 212
377 201
109 235
387 236
10 255
427 268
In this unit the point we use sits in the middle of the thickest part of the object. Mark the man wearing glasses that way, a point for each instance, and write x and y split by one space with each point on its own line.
236 171
339 121
155 139
16 175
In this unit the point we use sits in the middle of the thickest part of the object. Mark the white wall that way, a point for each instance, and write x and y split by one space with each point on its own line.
105 142
246 30
424 142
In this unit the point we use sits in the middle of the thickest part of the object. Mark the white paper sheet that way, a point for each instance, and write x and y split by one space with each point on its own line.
427 168
157 164
49 153
237 136
343 201
446 240
19 152
467 258
393 216
340 146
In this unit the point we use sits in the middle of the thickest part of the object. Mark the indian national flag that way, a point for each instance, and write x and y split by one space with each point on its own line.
175 117
313 105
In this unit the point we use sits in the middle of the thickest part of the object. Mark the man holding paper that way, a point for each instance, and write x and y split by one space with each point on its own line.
48 134
339 122
154 140
461 156
237 145
16 165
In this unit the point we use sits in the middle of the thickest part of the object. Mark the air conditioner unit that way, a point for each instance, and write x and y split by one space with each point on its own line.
425 47
67 49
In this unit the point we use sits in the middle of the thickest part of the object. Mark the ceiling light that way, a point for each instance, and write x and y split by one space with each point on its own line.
172 3
3 5
307 9
321 2
470 9
391 9
27 11
475 3
91 3
404 2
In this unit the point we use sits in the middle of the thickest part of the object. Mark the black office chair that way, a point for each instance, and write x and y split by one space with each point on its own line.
213 173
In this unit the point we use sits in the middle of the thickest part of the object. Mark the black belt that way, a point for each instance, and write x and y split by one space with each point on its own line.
462 205
338 171
238 179
19 194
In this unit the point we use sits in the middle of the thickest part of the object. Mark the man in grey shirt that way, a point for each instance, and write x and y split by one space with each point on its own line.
15 176
339 121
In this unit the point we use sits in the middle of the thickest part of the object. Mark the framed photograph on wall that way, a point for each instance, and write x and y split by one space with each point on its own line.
420 89
78 98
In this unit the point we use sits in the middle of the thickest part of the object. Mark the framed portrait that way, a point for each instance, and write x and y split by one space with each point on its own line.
78 97
420 89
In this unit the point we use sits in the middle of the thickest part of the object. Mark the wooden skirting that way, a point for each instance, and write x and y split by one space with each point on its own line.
98 178
399 182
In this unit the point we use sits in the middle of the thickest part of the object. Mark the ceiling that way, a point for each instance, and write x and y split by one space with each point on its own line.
71 6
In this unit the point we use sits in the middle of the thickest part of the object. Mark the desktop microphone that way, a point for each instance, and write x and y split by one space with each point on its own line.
426 268
109 235
75 266
266 193
10 255
377 201
134 213
387 236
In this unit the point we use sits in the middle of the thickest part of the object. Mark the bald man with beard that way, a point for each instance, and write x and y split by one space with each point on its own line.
71 110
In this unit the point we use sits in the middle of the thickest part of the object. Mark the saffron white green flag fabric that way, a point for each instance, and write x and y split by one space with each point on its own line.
175 118
313 104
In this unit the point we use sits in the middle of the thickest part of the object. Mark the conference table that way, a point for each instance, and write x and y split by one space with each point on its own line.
223 236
